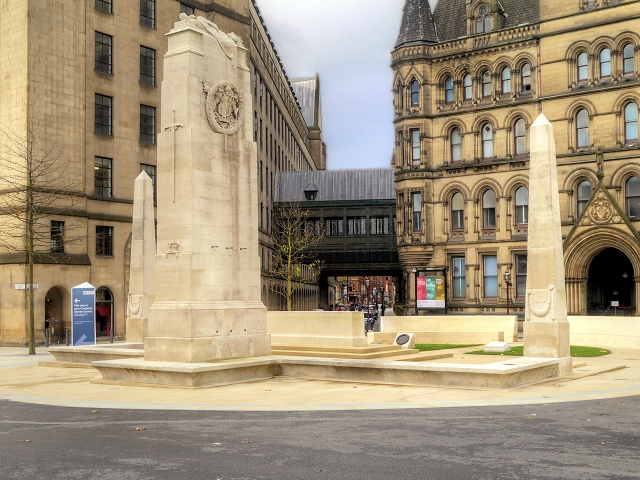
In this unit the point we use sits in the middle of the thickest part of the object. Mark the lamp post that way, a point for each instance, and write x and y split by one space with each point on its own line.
366 282
507 281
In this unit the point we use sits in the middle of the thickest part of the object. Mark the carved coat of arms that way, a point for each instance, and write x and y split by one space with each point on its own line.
225 107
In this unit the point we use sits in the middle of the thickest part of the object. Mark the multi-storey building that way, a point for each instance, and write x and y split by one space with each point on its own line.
469 80
93 68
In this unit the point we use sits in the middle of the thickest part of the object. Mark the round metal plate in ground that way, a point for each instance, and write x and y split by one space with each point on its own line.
402 339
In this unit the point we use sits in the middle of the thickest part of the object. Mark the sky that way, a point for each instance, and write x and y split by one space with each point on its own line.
349 43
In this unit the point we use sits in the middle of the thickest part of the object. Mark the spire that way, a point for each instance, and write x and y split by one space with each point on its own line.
417 24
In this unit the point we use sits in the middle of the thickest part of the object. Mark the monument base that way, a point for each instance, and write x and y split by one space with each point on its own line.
549 340
206 349
136 329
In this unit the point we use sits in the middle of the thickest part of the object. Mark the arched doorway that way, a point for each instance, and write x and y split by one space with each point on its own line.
56 309
610 280
104 312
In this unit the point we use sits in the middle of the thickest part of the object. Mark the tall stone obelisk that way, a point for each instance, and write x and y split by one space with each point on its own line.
208 305
546 329
143 254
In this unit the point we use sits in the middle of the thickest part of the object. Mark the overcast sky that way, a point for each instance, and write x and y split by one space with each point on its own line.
349 43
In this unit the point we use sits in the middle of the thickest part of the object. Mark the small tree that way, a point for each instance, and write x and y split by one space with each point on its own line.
294 237
35 183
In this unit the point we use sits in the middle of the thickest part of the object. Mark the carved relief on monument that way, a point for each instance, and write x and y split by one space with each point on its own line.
225 107
540 302
134 305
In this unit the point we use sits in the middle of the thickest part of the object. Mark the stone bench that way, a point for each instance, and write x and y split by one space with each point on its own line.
469 338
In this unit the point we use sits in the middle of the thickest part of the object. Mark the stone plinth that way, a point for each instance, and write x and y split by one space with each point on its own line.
546 329
208 302
337 329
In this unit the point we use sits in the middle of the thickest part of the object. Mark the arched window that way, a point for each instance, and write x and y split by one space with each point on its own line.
584 193
526 77
520 137
605 63
489 209
483 22
457 212
627 55
506 80
468 87
582 129
415 93
583 67
456 145
487 141
486 83
448 90
631 122
522 206
632 191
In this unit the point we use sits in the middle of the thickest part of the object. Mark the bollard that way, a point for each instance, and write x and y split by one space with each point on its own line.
67 340
46 338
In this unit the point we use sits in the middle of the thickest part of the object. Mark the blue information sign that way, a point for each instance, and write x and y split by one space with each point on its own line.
83 315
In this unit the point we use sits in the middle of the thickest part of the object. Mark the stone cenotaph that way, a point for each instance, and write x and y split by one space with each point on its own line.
143 254
207 271
546 328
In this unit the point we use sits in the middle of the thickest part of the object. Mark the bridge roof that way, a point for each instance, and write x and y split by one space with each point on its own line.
336 185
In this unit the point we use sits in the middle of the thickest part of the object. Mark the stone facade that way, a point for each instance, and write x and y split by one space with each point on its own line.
48 56
466 93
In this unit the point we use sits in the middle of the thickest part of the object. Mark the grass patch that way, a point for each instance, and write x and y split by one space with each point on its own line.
576 351
429 347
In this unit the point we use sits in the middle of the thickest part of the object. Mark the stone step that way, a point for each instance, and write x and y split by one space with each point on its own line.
337 354
421 357
329 348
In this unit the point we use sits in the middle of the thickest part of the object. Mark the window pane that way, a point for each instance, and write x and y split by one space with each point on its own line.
582 125
459 278
448 85
468 83
415 93
103 176
520 137
628 55
490 276
187 10
480 25
147 66
103 5
456 145
583 64
487 24
633 197
57 237
506 80
486 84
521 275
522 196
103 114
148 12
605 63
584 193
631 122
457 202
415 146
457 211
487 141
103 46
356 226
526 77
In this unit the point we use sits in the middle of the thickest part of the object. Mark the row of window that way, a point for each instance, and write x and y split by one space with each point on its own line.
104 239
147 10
356 226
490 284
631 192
104 119
104 59
103 176
604 63
486 88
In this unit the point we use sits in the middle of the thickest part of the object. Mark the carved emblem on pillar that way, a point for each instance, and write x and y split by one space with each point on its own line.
225 107
540 302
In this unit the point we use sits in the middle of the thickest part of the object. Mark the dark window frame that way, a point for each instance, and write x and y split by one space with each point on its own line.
147 124
57 236
187 9
105 6
103 115
459 277
103 53
147 66
151 171
104 241
148 13
103 177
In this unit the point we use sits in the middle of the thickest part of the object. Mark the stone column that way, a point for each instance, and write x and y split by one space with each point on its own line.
208 301
143 253
546 329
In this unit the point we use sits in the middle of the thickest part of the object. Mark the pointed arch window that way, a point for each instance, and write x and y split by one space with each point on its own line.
632 191
483 22
582 129
526 77
506 80
456 145
583 67
468 87
605 63
520 137
487 141
448 90
415 93
584 193
489 209
522 206
457 212
415 148
486 83
631 122
628 59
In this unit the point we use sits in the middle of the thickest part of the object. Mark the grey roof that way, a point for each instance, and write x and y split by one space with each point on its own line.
333 185
417 24
451 22
307 92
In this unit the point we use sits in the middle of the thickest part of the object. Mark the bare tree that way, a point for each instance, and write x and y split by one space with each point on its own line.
35 184
294 237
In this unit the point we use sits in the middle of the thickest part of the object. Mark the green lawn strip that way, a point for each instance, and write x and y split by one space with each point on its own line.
576 351
429 347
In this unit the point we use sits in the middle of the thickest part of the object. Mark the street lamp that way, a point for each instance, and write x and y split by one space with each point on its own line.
366 282
507 281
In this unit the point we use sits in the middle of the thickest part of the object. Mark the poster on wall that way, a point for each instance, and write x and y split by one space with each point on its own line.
83 315
430 291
